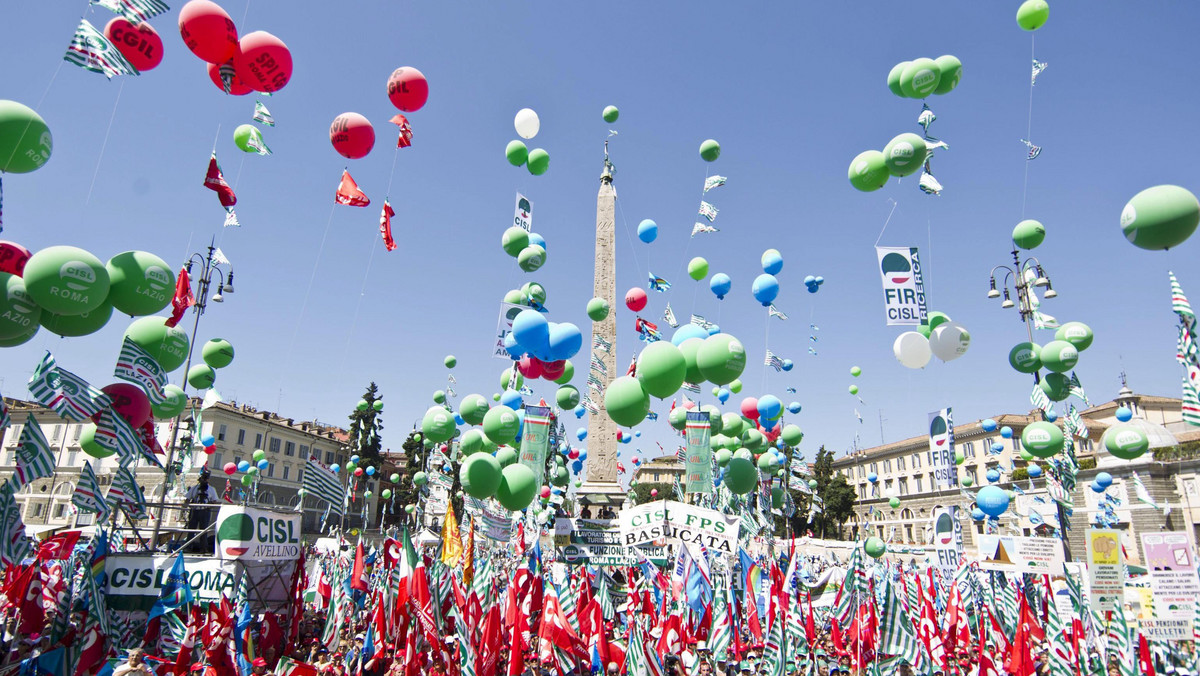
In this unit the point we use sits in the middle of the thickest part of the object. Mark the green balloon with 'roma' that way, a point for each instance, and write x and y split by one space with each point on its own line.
19 313
66 280
25 140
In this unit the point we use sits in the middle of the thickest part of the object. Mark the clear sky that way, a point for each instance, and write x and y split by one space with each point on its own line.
792 91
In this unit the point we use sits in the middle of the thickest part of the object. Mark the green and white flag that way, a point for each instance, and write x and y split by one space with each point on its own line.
722 633
698 454
134 11
1191 396
90 50
535 439
34 459
14 544
605 597
1143 495
774 656
87 495
256 143
1061 654
1039 398
262 115
896 635
1121 642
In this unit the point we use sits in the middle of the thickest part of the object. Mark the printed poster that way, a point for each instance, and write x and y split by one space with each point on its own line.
1013 554
1106 568
508 312
941 447
1173 577
903 286
535 439
698 465
523 213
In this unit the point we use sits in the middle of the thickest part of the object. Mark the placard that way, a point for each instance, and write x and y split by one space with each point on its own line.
1013 554
597 542
508 312
947 540
668 519
136 582
1172 574
903 285
523 213
535 440
941 448
1106 568
698 454
257 534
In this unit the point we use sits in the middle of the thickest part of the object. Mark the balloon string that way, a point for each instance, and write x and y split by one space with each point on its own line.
104 144
358 306
766 348
216 137
307 292
632 246
1029 128
684 260
17 145
887 220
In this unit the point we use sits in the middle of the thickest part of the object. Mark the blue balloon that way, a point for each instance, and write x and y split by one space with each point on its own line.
647 231
772 262
765 289
335 468
565 340
1124 414
537 239
873 477
769 407
264 464
812 288
687 331
511 398
992 500
531 330
988 425
208 440
993 475
720 284
583 455
581 433
714 330
580 411
1097 488
514 350
637 433
794 407
243 466
977 514
627 439
370 471
810 280
355 458
520 422
1104 479
997 447
819 280
787 365
1051 415
723 395
1006 432
576 466
1034 471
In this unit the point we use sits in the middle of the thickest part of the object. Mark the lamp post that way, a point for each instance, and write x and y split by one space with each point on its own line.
1019 275
210 271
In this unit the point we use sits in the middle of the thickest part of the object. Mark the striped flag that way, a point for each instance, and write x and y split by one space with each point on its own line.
1034 151
773 311
320 482
700 229
135 11
87 495
114 433
34 459
14 544
90 50
694 388
669 317
1076 421
5 417
774 654
702 322
256 142
1039 399
137 366
1179 302
598 366
1062 657
721 636
126 495
1120 641
65 393
1038 67
708 211
1191 396
262 115
481 584
600 344
1143 495
1076 389
895 627
604 597
713 182
773 361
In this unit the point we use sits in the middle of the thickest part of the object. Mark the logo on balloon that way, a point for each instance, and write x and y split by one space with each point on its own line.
1025 357
1037 438
923 79
896 267
1128 215
1128 439
77 275
902 153
158 279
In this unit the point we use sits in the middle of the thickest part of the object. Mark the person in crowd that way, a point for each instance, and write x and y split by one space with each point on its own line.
135 665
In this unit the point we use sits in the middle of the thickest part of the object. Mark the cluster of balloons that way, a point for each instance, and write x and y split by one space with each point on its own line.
766 287
813 284
1058 357
529 248
919 78
70 292
1032 14
352 134
258 61
939 336
536 160
904 155
1101 482
542 346
1160 217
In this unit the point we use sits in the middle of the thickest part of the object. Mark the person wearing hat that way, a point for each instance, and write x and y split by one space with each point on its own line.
201 516
258 666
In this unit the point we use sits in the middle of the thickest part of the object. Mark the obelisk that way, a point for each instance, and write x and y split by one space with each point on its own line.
601 487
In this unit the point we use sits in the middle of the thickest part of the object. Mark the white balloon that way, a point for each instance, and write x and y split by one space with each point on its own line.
912 350
949 341
527 123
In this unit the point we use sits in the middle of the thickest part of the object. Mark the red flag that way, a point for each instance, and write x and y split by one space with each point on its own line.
488 655
299 585
555 630
215 181
218 632
25 593
406 133
183 298
385 226
1020 660
348 192
195 626
1145 662
58 547
670 641
810 624
358 579
93 648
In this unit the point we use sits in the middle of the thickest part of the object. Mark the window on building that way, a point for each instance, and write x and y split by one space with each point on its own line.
287 469
37 506
59 509
916 461
328 457
304 451
908 533
10 458
903 486
341 459
271 470
861 472
880 528
14 434
862 492
78 433
969 449
289 448
919 481
987 444
929 457
900 463
1016 442
887 486
1087 444
887 466
71 457
275 443
84 518
1189 486
971 474
241 438
258 440
221 433
874 468
56 432
217 459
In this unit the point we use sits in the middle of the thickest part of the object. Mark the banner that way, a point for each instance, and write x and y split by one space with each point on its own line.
941 448
523 213
1013 554
698 465
903 287
535 439
136 582
508 312
947 540
1168 558
598 543
668 519
1106 569
251 534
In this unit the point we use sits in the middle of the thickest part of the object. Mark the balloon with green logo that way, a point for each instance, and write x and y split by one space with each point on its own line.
1126 441
19 313
66 280
500 424
752 439
201 376
951 69
514 240
168 345
472 408
677 418
731 424
721 359
140 283
690 348
173 402
471 442
1059 356
868 171
1042 439
893 78
480 475
506 455
1156 218
741 476
905 154
438 424
1032 14
1024 357
1028 234
1076 333
920 78
25 140
626 401
531 258
518 486
661 368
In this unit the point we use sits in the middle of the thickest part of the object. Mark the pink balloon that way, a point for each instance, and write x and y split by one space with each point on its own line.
635 299
236 86
208 31
352 135
407 89
573 455
358 471
750 408
530 367
229 468
553 370
13 257
130 402
545 491
140 44
263 62
654 492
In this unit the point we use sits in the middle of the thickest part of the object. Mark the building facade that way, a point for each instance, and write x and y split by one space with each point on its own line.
665 469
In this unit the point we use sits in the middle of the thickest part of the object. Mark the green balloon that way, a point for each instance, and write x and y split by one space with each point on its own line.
1056 385
495 396
450 361
1059 356
25 140
77 325
394 478
1075 333
567 375
791 435
567 397
168 345
439 397
710 150
248 477
19 313
920 78
924 330
201 376
744 453
377 405
777 497
968 481
560 476
438 424
812 483
752 439
1028 234
409 509
1042 439
731 425
87 441
904 154
690 348
677 418
173 403
480 476
19 340
959 458
868 171
362 405
723 457
874 547
1032 14
855 371
626 402
506 455
517 488
420 479
471 442
936 319
1024 357
610 114
539 161
894 502
246 137
217 353
534 292
66 280
661 368
697 268
516 152
515 297
140 283
531 258
735 387
721 359
597 309
1126 441
514 240
1156 218
714 418
853 389
893 78
473 408
951 69
507 380
386 494
741 476
1026 455
500 424
258 454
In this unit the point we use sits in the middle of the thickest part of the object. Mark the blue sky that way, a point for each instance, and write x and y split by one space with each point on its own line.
792 91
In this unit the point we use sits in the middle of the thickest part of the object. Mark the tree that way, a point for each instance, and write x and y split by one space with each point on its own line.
641 492
837 498
366 427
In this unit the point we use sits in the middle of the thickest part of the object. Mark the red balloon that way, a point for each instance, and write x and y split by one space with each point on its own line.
263 62
139 44
229 468
208 31
750 408
407 89
236 86
13 257
619 435
358 471
654 492
352 135
553 370
771 434
635 299
130 402
209 450
530 367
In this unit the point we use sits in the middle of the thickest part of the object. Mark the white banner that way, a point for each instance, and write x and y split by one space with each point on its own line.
508 312
668 519
1172 574
257 534
941 446
947 540
1013 554
523 213
903 285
